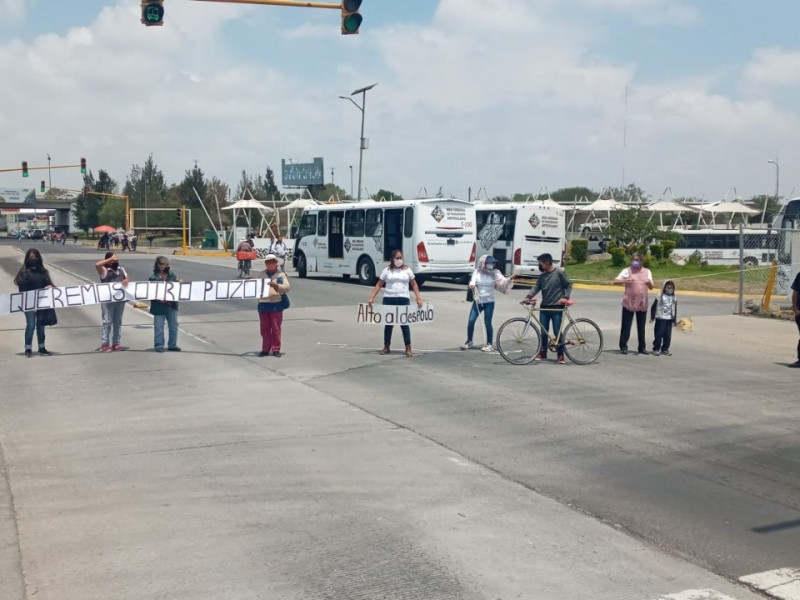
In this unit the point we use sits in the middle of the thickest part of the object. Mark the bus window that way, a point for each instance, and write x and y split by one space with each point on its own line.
354 223
322 228
374 219
408 224
308 225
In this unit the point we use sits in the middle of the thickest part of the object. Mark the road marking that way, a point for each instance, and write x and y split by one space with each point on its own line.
780 583
696 595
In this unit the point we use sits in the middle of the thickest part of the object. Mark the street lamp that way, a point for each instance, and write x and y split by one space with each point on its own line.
777 186
49 179
363 91
351 181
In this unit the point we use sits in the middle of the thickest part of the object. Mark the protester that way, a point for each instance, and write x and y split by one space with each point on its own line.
33 276
164 310
397 278
271 307
556 288
110 271
485 279
637 279
796 310
278 248
665 314
243 255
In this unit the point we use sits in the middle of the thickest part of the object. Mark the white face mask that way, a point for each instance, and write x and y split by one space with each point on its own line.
397 262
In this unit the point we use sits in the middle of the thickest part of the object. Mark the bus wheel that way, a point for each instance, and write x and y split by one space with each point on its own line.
366 271
302 268
750 261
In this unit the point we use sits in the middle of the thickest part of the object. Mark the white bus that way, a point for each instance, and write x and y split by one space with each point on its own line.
721 246
516 234
437 237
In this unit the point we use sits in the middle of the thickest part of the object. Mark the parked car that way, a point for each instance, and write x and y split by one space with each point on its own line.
36 234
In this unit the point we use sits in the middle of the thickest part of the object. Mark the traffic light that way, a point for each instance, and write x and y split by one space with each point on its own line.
178 214
351 19
152 12
42 186
83 166
24 168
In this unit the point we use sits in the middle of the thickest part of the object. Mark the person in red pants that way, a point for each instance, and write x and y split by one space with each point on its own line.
271 306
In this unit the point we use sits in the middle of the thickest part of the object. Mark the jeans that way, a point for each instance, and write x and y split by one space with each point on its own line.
797 320
662 335
271 327
172 325
488 312
554 315
31 323
112 322
625 332
387 330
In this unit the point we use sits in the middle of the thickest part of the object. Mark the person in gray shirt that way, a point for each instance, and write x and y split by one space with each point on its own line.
555 288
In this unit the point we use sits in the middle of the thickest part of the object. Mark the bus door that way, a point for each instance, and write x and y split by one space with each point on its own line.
336 234
392 232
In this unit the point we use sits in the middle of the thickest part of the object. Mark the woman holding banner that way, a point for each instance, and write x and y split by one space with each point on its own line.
33 276
164 310
396 279
110 271
271 307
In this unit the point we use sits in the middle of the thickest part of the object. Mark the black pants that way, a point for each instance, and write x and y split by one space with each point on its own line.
625 332
387 329
662 335
797 320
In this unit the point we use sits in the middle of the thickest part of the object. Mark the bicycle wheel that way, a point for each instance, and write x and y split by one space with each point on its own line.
583 341
518 341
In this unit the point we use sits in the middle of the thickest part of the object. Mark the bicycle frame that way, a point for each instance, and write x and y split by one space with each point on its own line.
553 342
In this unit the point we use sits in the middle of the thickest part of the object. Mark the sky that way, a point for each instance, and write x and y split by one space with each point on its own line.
476 97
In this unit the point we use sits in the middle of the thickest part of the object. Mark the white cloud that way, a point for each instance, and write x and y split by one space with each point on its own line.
13 10
651 12
772 67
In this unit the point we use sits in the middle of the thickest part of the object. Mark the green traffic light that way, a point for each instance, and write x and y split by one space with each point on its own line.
351 23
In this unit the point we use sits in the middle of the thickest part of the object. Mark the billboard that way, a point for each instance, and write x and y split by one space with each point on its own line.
17 196
302 174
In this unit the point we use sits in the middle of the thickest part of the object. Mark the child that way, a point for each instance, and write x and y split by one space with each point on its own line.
485 279
665 313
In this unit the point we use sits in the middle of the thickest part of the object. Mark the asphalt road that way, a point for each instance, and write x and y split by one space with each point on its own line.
694 456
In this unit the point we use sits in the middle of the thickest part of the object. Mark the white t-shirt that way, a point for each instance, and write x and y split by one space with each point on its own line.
396 282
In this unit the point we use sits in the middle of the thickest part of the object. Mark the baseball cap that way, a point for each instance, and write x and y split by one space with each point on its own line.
270 257
490 259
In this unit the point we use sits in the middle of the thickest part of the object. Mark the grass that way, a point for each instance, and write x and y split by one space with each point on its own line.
686 277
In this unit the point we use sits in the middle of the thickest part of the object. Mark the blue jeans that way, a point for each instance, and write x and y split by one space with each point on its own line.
387 329
488 312
172 325
553 315
31 323
112 322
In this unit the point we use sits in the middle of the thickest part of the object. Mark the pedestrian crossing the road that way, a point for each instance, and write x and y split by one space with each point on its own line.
782 584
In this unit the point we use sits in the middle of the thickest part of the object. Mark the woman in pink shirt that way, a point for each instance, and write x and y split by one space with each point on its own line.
637 281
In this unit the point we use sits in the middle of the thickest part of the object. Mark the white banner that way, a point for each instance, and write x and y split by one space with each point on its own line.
386 314
97 293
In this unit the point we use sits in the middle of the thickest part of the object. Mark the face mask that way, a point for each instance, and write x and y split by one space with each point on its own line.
32 263
636 264
113 265
397 262
669 291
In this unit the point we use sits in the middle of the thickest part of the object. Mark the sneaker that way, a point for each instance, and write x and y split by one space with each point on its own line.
560 360
276 353
159 349
117 347
29 353
795 365
657 352
541 356
105 348
487 348
174 349
643 351
45 352
666 353
467 345
262 354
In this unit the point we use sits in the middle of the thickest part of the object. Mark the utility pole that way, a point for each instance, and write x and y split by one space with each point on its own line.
363 146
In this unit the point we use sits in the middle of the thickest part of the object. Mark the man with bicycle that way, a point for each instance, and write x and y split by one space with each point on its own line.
556 288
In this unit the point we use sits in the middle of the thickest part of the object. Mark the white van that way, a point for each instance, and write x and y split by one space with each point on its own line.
436 235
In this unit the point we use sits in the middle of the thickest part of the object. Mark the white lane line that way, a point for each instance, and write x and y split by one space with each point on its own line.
696 595
780 583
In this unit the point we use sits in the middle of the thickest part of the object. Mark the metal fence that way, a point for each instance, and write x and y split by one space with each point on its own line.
768 260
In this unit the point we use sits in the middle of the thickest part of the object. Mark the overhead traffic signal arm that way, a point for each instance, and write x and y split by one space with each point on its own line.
26 169
351 18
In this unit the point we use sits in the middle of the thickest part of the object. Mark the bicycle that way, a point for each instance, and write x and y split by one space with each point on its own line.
244 269
519 339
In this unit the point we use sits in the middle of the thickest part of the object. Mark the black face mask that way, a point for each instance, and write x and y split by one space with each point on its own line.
33 263
114 265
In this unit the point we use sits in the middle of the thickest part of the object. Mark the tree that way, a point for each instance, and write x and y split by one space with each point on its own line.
246 184
773 206
382 194
112 212
88 206
630 193
572 194
216 197
271 190
631 226
323 193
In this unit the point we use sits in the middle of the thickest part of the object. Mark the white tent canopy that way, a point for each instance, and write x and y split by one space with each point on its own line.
248 203
728 207
299 204
601 205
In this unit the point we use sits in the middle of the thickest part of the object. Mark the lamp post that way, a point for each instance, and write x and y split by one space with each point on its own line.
49 179
777 186
363 91
351 181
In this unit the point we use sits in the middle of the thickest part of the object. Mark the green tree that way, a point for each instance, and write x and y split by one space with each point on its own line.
323 193
112 212
630 193
271 191
773 206
631 226
246 184
88 206
386 195
570 195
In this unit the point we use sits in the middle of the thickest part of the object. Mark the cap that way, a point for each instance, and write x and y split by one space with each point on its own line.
490 259
270 257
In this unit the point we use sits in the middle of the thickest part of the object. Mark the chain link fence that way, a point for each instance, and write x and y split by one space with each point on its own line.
768 260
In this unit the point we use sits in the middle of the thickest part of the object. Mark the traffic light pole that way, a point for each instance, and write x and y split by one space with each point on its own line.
40 168
296 3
